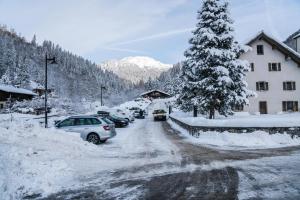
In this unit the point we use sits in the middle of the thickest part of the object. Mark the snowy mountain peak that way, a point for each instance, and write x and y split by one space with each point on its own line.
135 69
143 61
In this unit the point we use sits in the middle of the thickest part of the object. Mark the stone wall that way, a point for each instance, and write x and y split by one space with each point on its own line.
195 130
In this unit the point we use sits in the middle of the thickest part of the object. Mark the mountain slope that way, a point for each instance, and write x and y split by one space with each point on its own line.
136 69
22 62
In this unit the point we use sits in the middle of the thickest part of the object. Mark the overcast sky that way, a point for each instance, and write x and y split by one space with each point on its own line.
106 29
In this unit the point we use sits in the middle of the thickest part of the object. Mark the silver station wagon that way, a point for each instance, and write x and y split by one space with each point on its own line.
91 128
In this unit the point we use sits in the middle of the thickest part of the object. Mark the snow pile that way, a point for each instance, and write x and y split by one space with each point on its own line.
226 140
143 104
242 120
34 160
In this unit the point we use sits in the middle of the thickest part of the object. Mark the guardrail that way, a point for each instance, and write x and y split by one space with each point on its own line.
195 130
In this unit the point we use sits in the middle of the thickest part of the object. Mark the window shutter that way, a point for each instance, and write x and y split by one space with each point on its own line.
296 106
270 67
284 85
252 67
279 66
284 106
294 85
267 85
257 86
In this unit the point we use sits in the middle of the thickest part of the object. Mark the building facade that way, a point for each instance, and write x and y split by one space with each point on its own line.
274 76
10 94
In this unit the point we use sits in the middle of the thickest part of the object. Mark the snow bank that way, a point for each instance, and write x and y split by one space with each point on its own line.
34 160
226 140
242 120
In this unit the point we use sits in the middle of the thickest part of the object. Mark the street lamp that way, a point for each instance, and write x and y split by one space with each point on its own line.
50 61
102 88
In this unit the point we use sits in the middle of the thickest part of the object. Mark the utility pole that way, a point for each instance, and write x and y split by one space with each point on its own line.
51 61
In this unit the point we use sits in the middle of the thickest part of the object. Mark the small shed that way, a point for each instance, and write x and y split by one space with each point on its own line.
155 94
16 94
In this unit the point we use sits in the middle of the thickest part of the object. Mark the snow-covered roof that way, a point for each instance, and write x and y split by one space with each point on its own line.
279 45
154 91
298 35
12 89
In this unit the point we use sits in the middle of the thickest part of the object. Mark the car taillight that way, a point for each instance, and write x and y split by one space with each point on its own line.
107 128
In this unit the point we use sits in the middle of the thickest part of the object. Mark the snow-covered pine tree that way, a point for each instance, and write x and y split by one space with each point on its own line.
213 74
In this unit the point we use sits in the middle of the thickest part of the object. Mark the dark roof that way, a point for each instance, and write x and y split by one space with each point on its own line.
293 36
148 92
283 48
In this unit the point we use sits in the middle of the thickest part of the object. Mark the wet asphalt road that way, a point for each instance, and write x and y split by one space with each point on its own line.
203 173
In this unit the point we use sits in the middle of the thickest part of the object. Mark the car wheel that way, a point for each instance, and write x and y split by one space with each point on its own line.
93 138
103 141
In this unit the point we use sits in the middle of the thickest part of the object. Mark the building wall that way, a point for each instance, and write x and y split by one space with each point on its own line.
298 44
275 95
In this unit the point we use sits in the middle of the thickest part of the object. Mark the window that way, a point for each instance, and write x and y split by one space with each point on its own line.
260 50
290 106
262 86
79 121
239 108
289 85
95 121
252 67
274 67
1 106
67 122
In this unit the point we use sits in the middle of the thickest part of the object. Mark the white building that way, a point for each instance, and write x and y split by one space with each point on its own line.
274 75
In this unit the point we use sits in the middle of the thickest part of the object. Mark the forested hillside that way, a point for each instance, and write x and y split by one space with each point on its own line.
168 81
22 62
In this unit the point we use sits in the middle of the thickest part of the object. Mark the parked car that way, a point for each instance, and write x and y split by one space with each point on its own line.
159 115
91 128
103 113
134 109
139 114
118 121
123 113
118 113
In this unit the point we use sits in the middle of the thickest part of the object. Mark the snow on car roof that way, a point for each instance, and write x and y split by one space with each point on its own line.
12 89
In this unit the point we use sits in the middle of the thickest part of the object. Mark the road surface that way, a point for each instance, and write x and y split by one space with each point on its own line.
169 168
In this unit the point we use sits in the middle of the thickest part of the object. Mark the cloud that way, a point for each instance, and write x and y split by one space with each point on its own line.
123 50
84 26
155 36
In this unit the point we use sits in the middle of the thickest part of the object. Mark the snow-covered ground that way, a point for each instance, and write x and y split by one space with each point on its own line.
242 120
34 160
143 104
226 140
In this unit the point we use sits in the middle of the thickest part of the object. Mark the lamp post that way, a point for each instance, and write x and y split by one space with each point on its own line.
102 88
50 61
